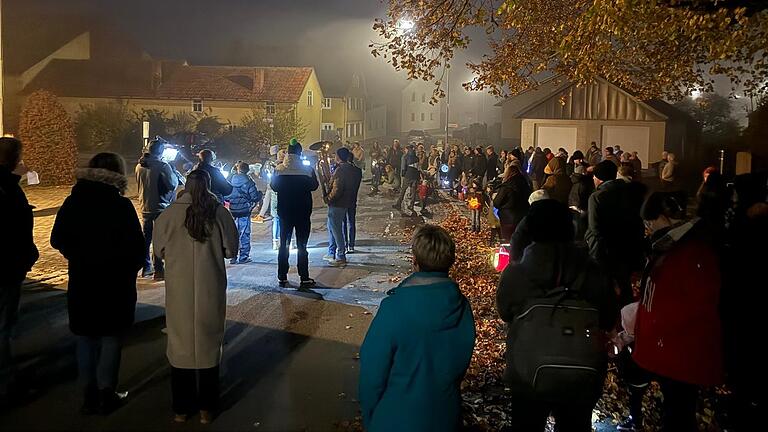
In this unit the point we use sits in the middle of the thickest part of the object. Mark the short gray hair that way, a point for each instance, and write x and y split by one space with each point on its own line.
433 249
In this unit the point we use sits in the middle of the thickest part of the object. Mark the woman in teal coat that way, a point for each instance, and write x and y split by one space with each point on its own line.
419 346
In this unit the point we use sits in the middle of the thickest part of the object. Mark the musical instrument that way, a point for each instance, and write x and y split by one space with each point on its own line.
323 166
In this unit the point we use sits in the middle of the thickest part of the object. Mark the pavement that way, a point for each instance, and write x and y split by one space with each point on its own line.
290 357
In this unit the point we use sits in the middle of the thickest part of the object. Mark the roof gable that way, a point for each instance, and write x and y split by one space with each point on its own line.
599 100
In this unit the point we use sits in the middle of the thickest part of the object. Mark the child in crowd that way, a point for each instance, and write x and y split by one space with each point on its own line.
475 201
243 199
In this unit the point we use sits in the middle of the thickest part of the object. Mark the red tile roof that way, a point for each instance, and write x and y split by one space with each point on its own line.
172 80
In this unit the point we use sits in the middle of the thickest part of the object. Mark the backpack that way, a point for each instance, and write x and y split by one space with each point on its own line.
555 347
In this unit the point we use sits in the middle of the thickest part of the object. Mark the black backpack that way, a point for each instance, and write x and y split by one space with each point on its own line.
555 347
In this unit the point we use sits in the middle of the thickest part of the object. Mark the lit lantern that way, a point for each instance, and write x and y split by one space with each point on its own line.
501 258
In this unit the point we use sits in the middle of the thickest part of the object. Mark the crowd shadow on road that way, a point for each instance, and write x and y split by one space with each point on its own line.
46 212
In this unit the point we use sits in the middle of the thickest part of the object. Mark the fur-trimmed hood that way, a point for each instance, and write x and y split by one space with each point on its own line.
293 165
100 175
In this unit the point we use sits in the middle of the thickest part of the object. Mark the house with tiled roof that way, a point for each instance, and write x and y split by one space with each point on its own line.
227 92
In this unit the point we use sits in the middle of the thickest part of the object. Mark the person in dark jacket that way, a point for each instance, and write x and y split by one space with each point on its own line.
536 168
342 197
582 187
411 178
293 182
467 162
479 164
157 181
394 156
615 233
242 201
101 294
594 156
492 164
219 184
18 254
349 226
557 185
526 158
512 201
418 346
537 273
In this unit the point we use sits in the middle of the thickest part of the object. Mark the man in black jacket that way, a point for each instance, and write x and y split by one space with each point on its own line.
341 198
492 165
17 253
551 261
411 178
157 183
219 185
293 182
615 233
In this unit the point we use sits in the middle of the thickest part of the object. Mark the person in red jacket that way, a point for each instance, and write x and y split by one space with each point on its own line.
678 334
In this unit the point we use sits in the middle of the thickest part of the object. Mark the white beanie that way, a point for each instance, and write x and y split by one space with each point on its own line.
538 195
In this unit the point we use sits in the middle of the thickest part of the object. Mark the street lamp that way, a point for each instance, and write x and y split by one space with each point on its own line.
405 24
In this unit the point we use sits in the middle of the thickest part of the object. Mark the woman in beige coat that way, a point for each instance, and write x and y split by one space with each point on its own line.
194 236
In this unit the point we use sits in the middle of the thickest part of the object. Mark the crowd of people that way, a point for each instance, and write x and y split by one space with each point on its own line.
602 266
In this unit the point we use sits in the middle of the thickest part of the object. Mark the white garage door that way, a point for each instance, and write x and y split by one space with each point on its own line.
554 137
630 139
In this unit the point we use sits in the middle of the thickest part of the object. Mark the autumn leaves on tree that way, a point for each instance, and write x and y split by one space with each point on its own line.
49 139
654 48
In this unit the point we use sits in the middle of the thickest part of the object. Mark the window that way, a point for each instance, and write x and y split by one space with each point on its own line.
326 103
355 81
422 116
270 108
423 97
431 116
349 104
362 104
197 105
413 97
413 117
329 126
310 98
349 130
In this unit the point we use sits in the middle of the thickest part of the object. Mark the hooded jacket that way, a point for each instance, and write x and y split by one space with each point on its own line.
294 183
98 232
557 185
512 200
18 253
415 355
244 196
219 185
345 184
157 184
411 166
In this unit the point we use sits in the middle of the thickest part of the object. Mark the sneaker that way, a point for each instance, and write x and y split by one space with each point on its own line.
307 283
110 400
629 424
206 417
147 272
282 283
337 263
244 261
329 257
159 276
180 418
233 261
351 250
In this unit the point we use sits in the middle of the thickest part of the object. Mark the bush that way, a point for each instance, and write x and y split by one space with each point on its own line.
103 127
48 135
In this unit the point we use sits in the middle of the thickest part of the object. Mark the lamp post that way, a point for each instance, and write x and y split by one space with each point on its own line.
447 102
2 80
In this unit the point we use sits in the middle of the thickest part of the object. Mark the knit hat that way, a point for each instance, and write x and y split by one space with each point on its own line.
550 221
606 171
343 153
538 195
294 147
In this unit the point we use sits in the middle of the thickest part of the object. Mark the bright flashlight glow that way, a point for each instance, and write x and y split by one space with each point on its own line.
695 94
169 154
446 182
269 174
444 168
224 172
306 162
405 24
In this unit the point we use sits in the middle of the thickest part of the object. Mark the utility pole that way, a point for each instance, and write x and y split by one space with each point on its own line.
2 78
447 101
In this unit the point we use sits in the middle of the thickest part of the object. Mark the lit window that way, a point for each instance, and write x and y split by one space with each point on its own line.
310 98
413 117
270 108
422 116
326 103
197 105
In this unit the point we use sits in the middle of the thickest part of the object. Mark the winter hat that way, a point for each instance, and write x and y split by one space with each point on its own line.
343 153
274 149
606 171
550 221
555 166
294 147
538 195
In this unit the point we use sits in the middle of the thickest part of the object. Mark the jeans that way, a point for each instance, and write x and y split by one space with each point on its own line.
9 314
148 227
276 228
244 230
475 220
98 361
302 226
413 185
194 390
531 415
337 243
349 227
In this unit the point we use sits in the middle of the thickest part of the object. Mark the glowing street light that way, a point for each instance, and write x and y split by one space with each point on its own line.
405 24
695 94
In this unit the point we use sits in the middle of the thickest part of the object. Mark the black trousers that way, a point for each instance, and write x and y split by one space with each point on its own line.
194 390
302 226
531 416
